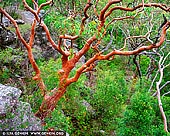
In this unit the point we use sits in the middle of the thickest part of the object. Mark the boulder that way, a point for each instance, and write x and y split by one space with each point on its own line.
14 114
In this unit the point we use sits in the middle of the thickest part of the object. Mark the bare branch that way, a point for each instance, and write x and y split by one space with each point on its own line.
168 82
159 96
166 93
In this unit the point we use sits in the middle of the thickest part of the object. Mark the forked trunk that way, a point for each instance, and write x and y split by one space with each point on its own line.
49 102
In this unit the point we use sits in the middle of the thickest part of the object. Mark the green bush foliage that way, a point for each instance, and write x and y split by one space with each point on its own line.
140 116
10 60
30 3
107 98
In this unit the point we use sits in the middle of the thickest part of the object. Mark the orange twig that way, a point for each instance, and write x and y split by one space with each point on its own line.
88 5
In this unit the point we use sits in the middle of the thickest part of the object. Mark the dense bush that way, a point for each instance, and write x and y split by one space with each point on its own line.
10 60
141 116
106 98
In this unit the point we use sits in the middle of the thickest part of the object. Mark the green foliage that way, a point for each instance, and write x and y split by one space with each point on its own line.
13 13
61 24
107 100
110 91
30 3
6 55
10 61
49 72
166 107
58 121
71 104
140 116
24 28
34 99
11 7
110 95
144 63
65 6
70 114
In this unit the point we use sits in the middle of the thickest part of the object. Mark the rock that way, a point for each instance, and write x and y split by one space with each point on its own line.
6 36
6 22
27 16
37 52
42 13
8 97
20 22
14 114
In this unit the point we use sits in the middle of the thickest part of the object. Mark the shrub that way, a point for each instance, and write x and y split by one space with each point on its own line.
140 117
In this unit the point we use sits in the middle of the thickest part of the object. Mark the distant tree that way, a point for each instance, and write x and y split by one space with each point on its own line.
104 15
